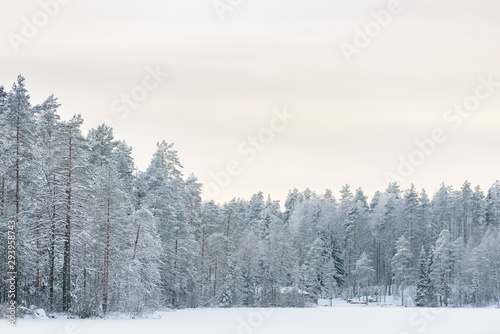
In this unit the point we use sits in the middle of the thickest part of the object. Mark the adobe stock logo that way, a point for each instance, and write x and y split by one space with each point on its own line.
153 78
249 150
255 320
32 26
363 37
222 7
454 117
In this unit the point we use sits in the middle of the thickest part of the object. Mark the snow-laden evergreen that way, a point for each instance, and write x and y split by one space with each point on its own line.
96 236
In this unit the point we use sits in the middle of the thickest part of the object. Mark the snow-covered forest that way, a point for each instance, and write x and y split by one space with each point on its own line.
96 236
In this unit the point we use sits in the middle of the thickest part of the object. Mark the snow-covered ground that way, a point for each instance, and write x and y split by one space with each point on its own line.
341 318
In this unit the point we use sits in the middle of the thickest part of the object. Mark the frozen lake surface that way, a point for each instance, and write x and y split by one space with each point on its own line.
341 318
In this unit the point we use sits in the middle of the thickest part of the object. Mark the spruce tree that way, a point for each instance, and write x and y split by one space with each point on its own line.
423 280
400 261
364 272
430 296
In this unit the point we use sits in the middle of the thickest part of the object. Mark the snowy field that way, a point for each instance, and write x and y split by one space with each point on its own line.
341 318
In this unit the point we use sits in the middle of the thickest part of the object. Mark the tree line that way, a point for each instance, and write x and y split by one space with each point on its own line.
94 235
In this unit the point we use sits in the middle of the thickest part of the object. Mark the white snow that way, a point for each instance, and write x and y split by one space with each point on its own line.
40 313
341 318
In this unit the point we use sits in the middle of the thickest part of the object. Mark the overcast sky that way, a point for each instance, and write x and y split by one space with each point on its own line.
227 77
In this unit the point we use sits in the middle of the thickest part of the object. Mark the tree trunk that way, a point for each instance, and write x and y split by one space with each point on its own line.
2 204
402 287
317 283
465 225
411 231
446 289
136 241
227 235
215 278
2 200
84 270
106 255
14 269
377 257
67 242
52 258
37 260
205 277
174 292
366 293
202 243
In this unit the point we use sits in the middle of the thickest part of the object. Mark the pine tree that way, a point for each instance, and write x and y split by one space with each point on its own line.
400 261
364 272
442 265
493 205
478 214
143 264
210 220
4 162
466 201
96 236
424 219
313 265
49 196
333 255
329 274
256 207
386 238
423 280
19 117
441 211
350 236
73 171
290 202
278 257
430 296
410 217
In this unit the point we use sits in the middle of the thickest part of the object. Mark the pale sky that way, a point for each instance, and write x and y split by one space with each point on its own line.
353 120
